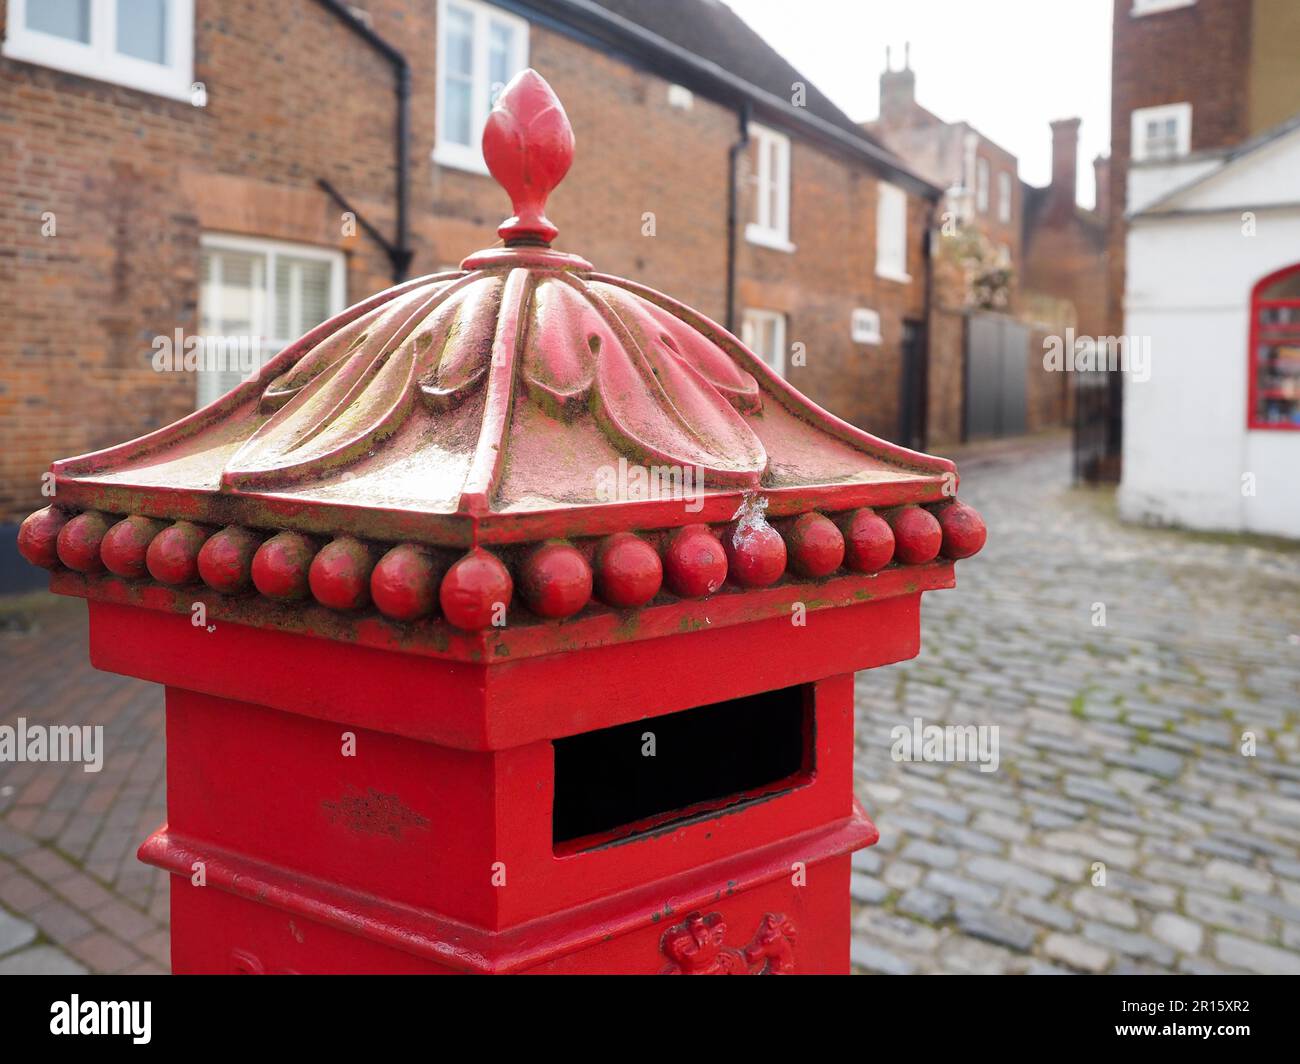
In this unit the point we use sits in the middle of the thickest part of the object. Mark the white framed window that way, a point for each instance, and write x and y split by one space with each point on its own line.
480 48
763 332
1163 132
771 179
142 44
1152 7
255 298
891 233
982 185
1004 196
864 326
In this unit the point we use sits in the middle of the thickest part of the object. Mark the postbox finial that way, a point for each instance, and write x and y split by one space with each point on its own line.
528 147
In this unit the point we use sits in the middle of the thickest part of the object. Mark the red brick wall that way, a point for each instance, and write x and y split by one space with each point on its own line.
832 271
134 180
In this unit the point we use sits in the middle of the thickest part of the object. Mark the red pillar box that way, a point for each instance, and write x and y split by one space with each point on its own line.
508 622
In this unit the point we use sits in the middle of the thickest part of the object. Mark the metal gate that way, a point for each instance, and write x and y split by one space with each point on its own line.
997 354
1098 428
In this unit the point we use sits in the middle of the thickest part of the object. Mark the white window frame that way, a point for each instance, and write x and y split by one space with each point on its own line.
1004 196
982 185
891 212
100 59
1154 7
754 319
770 229
1181 112
470 156
864 326
273 345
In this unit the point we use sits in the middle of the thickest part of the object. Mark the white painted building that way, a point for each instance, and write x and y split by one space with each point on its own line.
1212 438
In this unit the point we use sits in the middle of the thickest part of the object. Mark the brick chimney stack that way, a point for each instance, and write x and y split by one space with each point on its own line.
1101 171
897 89
1065 165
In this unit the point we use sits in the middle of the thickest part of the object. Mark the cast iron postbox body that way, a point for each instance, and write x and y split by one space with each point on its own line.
508 623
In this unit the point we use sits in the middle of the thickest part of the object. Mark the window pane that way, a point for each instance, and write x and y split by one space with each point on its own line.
460 42
500 58
142 29
458 77
457 104
1286 287
302 295
239 295
62 18
774 186
891 232
231 300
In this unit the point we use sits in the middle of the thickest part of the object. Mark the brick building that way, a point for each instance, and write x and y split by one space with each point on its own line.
1191 77
978 175
1013 263
1065 244
236 169
1205 261
1064 267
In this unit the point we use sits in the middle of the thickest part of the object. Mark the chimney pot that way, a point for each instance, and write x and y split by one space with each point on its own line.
1065 163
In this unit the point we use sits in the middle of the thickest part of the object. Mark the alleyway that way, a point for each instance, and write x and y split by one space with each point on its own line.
1118 744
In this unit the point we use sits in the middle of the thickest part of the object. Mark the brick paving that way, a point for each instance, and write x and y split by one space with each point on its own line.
1119 745
71 890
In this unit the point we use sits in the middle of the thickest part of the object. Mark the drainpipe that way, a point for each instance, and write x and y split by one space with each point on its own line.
399 251
733 208
927 253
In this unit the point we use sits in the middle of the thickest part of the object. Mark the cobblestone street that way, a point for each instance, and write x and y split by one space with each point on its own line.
1120 745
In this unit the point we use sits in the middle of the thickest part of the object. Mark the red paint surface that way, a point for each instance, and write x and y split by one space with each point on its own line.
816 545
755 556
868 541
281 566
404 585
173 554
339 575
125 546
963 530
38 537
628 571
555 580
226 559
79 542
695 563
377 858
917 535
476 591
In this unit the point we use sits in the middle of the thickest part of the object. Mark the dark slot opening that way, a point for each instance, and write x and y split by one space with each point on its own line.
706 758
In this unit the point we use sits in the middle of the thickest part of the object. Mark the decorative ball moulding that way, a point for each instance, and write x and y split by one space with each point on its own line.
522 441
555 579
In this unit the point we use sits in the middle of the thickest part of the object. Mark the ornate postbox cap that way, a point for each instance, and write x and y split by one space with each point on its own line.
519 456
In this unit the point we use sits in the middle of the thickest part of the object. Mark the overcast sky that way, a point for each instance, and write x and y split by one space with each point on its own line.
1008 67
